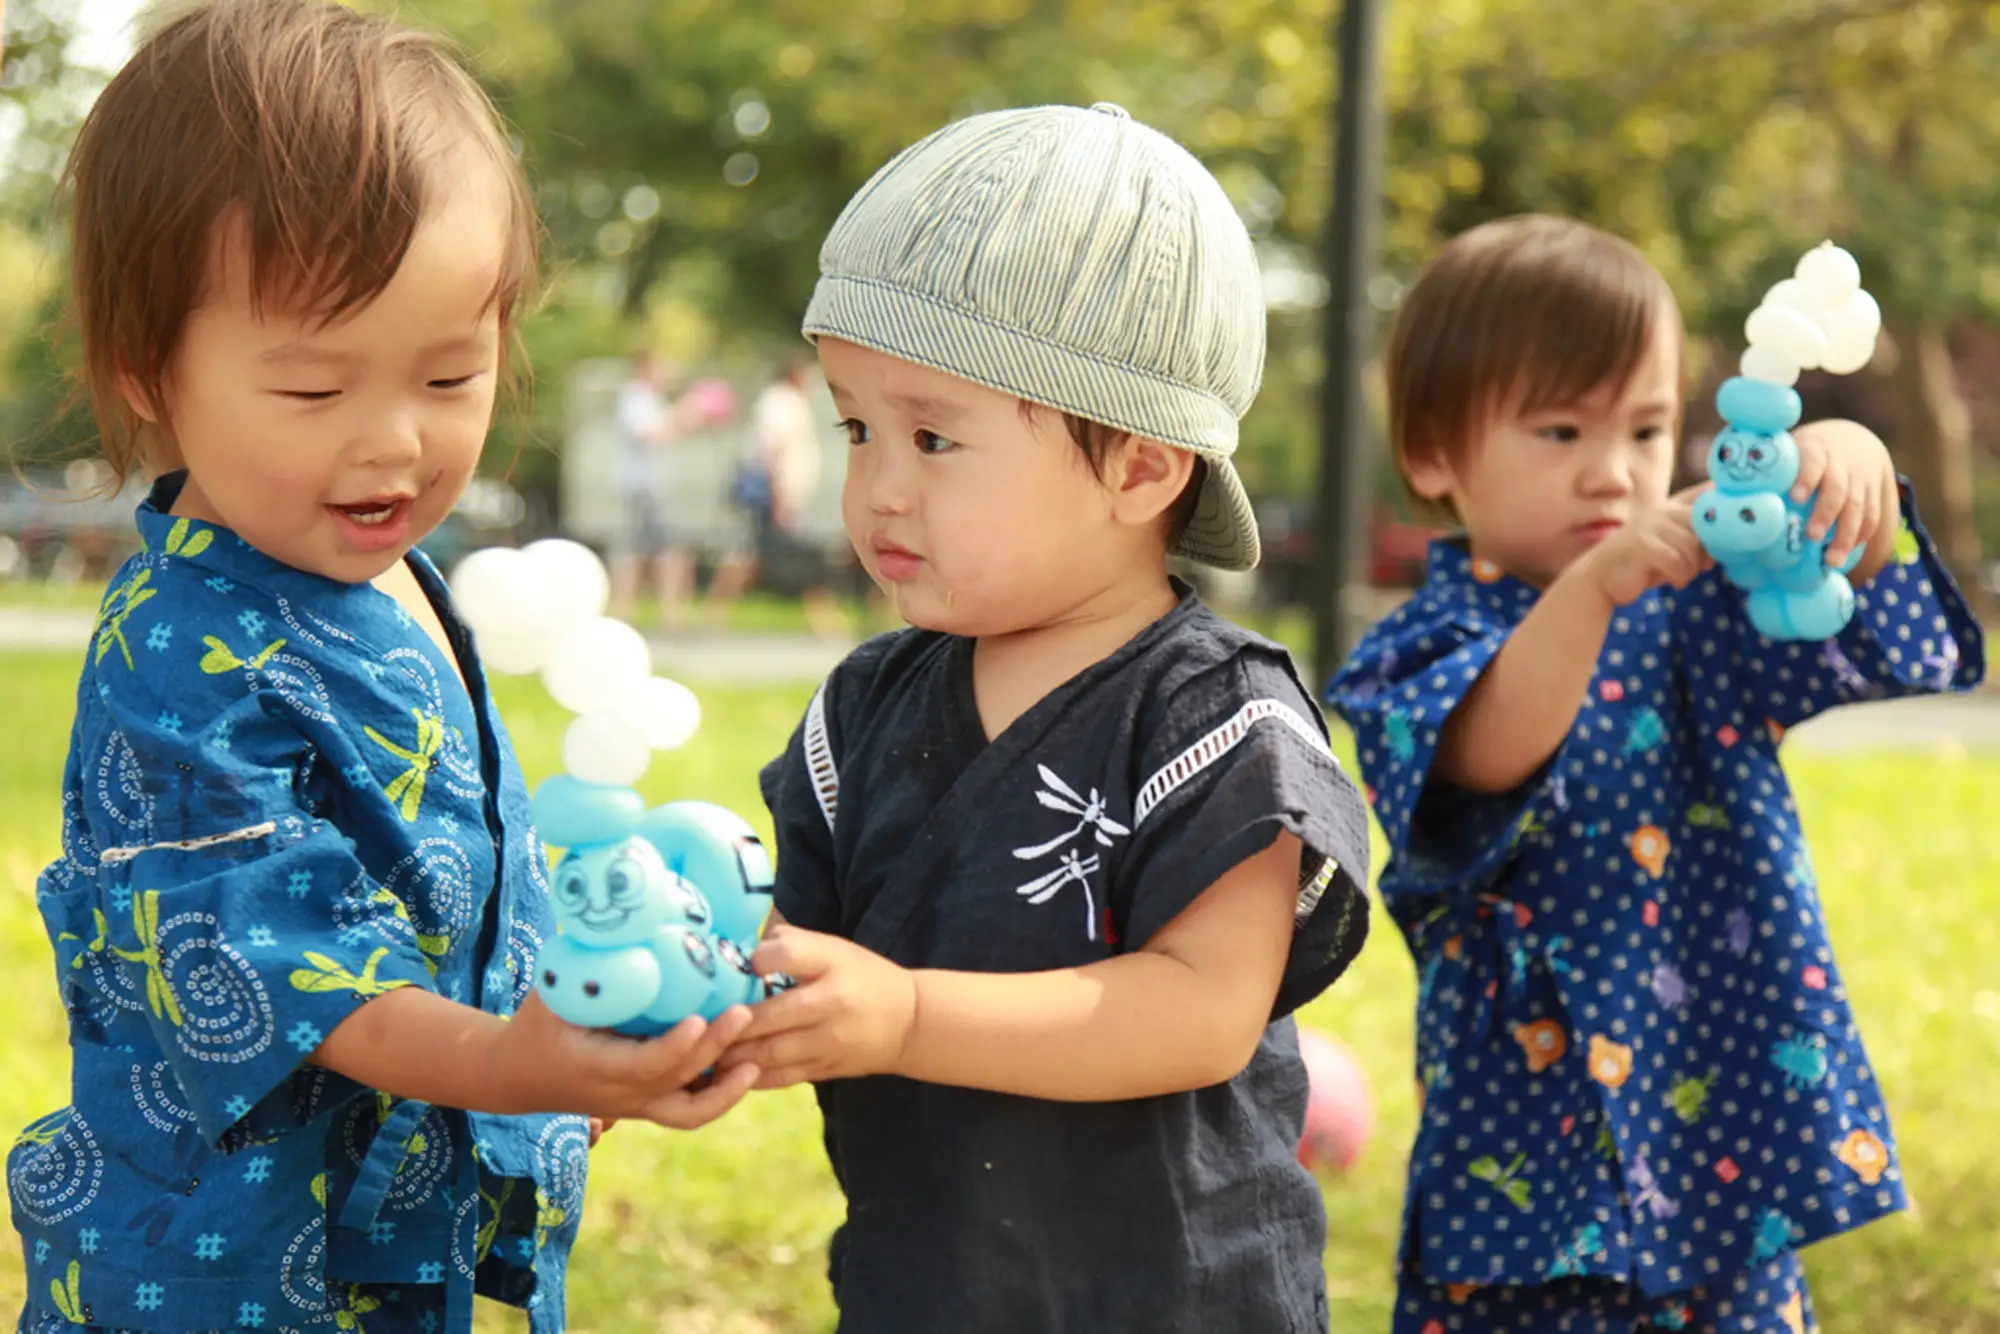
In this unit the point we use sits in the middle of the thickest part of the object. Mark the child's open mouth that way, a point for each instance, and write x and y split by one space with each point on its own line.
374 524
371 512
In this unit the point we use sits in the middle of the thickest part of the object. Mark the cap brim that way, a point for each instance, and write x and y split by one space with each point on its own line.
1223 531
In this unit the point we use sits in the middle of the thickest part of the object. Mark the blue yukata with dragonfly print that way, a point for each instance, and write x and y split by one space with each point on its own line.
1636 1052
1084 828
280 802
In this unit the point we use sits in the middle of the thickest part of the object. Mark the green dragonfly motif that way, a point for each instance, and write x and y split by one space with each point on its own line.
68 1299
548 1217
328 974
183 539
220 658
407 787
44 1131
118 608
146 924
434 947
1505 1180
493 1209
93 947
358 1304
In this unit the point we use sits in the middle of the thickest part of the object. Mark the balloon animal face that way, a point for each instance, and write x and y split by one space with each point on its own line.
1756 531
1740 523
596 988
620 894
1747 461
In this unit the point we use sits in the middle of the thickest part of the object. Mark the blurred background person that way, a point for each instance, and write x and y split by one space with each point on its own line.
647 423
775 483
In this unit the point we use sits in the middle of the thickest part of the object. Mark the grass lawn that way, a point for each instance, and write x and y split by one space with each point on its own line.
725 1230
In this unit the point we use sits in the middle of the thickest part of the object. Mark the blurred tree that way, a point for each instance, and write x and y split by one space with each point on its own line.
1725 140
43 95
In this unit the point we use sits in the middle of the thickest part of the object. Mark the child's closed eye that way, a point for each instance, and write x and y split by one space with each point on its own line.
456 381
307 395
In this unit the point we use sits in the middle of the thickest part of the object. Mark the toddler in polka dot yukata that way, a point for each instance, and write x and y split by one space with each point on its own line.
1643 1088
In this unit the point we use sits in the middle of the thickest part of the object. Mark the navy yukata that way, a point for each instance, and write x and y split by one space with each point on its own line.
279 802
1643 1087
1085 827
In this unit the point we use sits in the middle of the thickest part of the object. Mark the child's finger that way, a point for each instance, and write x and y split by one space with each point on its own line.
1851 528
781 1049
786 1076
792 950
686 1111
662 1059
1812 467
1834 490
1856 526
800 1007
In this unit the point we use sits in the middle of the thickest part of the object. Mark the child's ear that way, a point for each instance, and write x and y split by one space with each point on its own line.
1145 478
1428 471
127 385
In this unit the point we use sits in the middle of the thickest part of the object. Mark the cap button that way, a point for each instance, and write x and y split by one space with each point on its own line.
1111 109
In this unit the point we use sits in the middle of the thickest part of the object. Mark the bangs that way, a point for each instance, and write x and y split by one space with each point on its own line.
317 136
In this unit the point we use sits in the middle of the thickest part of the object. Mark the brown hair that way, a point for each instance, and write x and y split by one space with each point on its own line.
1095 441
1532 310
315 129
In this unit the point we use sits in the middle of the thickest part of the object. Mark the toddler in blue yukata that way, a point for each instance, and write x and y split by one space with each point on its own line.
299 894
1643 1088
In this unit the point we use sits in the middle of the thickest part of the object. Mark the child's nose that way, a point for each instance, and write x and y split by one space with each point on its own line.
890 486
1608 471
392 439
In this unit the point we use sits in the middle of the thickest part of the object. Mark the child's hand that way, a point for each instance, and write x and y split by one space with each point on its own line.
850 1014
1850 468
598 1125
1655 546
556 1066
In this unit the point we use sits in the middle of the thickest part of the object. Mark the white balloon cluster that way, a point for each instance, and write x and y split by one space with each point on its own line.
1817 319
540 608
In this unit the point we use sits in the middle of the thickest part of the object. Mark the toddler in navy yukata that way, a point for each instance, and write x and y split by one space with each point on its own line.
299 894
1643 1089
1056 864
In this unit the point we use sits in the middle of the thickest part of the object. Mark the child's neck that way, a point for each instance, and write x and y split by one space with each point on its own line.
1012 672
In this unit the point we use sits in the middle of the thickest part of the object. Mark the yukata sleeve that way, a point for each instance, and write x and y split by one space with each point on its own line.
1396 691
1241 755
244 920
1912 633
802 791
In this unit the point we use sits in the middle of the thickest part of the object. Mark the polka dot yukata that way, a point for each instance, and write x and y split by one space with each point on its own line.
1635 1050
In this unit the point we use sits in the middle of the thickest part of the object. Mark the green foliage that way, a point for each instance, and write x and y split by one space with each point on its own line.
725 1230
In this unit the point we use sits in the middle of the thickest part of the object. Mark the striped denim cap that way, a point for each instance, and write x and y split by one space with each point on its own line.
1074 258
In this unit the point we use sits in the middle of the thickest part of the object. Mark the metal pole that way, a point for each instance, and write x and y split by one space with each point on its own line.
1340 546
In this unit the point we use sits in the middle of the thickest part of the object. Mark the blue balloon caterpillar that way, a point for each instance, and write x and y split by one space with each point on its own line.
657 911
1753 528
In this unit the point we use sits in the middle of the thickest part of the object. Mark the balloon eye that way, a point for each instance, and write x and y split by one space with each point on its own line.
591 989
548 977
1709 515
573 888
1726 453
1747 514
1756 456
617 882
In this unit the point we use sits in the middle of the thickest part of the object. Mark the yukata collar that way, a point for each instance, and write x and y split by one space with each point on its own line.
1451 567
229 559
